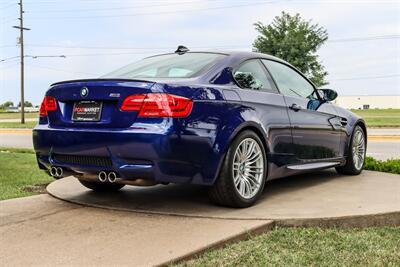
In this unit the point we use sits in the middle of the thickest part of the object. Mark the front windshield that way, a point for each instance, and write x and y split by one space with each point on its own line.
166 66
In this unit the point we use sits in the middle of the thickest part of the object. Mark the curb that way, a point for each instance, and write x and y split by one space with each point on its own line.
374 220
367 220
383 138
242 236
15 131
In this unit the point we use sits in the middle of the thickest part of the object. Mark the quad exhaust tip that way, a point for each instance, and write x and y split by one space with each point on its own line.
112 176
56 172
59 172
53 171
102 176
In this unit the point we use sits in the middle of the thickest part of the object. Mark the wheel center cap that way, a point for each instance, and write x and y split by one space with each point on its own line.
241 168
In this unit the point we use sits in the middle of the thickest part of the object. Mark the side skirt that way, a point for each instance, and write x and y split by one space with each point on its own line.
314 165
290 169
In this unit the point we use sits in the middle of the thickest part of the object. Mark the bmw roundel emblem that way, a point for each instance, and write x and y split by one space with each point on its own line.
84 92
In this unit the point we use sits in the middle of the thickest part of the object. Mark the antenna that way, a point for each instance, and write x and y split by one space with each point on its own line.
181 50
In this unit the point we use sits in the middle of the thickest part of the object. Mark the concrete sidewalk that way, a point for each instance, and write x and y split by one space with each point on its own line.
43 231
157 225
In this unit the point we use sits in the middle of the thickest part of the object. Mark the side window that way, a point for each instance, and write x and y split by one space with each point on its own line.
251 75
289 82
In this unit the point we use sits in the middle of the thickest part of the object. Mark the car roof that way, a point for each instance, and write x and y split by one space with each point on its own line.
240 54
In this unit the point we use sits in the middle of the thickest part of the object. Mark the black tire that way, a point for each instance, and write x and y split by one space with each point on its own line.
101 187
350 167
224 191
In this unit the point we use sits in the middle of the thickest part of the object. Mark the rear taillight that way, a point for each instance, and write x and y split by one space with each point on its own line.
49 104
155 105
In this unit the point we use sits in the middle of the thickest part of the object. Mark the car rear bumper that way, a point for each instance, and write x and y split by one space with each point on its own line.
159 153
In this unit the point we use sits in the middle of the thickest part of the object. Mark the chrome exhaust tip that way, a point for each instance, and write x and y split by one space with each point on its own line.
53 171
59 172
112 176
102 176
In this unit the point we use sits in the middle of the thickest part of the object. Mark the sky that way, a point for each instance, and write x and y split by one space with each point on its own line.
362 54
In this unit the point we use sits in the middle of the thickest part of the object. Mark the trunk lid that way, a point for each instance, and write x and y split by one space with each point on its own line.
108 92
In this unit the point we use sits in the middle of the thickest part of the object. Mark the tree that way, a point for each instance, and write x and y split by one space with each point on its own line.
296 41
6 105
27 104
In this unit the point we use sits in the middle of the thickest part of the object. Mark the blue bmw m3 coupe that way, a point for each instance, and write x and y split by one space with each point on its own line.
226 120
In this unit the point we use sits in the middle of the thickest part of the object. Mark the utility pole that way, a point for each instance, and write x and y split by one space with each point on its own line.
21 41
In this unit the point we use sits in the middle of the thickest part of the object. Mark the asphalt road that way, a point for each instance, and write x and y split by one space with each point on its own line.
379 149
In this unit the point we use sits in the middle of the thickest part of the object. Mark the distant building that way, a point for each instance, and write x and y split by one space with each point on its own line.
368 101
18 109
12 109
30 109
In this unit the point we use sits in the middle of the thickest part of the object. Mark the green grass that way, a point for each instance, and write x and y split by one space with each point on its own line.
391 166
27 125
17 115
310 247
373 118
20 175
380 117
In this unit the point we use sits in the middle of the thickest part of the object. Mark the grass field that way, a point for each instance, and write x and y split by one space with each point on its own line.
380 117
26 125
310 247
5 115
19 175
373 117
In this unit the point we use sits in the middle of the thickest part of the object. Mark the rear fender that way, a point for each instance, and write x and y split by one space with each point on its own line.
225 134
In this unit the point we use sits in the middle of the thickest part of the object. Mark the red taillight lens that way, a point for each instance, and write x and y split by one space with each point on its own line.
155 105
49 104
133 103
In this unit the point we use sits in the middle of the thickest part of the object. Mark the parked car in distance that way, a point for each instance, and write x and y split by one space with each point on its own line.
226 120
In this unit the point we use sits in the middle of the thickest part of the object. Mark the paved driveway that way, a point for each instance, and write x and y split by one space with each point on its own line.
44 231
153 226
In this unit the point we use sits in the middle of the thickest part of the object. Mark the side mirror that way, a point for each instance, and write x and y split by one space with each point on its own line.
327 94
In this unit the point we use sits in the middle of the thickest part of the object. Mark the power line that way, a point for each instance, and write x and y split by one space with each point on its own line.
355 39
92 1
136 48
7 20
367 77
111 54
7 6
369 38
32 56
159 13
60 70
9 58
112 8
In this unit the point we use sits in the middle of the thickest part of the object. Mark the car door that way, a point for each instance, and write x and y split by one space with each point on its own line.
314 123
263 103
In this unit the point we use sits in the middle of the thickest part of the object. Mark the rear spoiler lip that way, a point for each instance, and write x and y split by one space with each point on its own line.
102 79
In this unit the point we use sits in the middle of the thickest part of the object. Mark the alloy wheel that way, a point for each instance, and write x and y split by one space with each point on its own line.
358 149
248 168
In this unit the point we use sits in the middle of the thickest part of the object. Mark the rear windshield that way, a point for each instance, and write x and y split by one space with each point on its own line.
167 66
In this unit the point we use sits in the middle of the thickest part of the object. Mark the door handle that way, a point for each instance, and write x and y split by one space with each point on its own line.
295 107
